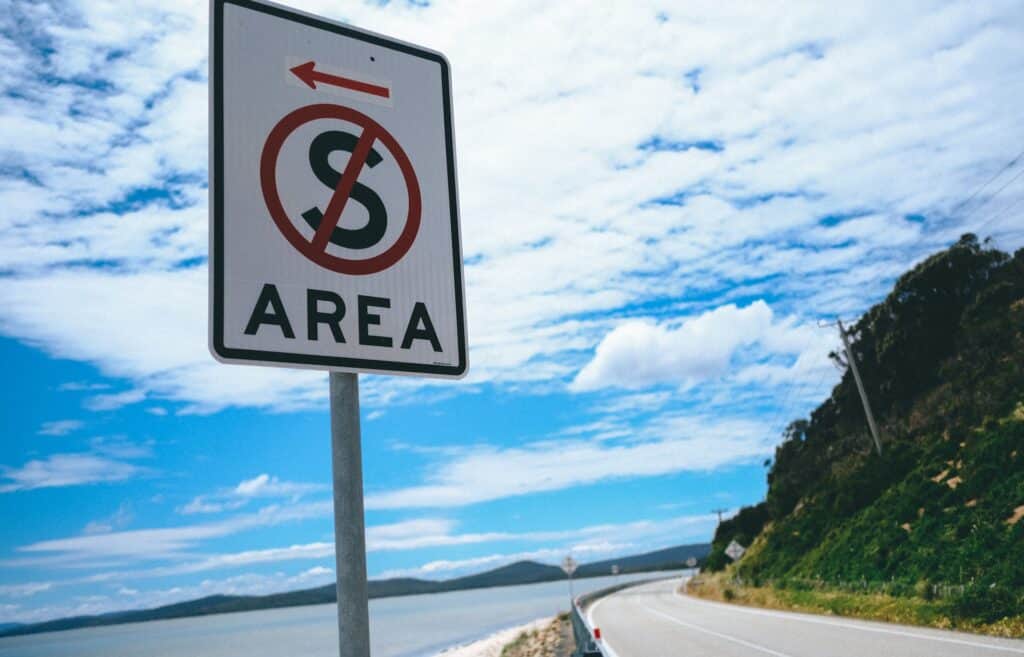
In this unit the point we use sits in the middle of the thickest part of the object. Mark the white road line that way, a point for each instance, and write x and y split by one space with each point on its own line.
605 646
748 644
852 626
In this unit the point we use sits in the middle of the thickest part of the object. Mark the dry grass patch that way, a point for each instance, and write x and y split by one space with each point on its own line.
868 606
553 640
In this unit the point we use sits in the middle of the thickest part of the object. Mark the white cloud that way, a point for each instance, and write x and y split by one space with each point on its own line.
122 448
82 386
24 590
114 401
639 354
645 402
586 543
264 485
123 516
159 543
65 470
668 444
260 486
59 427
664 169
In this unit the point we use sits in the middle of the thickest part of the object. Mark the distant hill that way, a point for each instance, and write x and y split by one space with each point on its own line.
520 572
667 559
8 626
943 507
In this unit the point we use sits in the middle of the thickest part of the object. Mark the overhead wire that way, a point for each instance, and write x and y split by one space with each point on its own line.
790 403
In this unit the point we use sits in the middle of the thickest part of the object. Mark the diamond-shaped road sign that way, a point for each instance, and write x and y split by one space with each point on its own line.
334 218
735 550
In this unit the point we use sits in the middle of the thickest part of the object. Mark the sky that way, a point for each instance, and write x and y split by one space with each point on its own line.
661 204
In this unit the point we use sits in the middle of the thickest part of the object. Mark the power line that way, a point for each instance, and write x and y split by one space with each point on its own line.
962 204
959 206
989 199
786 409
1006 211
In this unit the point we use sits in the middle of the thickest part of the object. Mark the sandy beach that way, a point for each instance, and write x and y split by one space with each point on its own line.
491 646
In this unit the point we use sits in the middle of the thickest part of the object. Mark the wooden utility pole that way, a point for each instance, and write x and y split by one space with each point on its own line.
860 387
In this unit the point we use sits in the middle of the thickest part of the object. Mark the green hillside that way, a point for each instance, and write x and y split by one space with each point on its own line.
939 514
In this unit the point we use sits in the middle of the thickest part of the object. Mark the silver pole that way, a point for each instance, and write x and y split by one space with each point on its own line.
349 529
860 388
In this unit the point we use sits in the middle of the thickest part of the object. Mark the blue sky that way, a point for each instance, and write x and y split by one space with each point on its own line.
659 201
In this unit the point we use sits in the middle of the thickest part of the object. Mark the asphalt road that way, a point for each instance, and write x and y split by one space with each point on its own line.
652 620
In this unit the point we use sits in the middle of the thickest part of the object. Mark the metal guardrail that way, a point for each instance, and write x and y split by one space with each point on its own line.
587 644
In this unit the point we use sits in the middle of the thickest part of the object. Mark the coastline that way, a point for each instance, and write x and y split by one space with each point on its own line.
492 645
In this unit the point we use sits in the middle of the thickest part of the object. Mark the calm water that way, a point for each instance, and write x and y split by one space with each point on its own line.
409 626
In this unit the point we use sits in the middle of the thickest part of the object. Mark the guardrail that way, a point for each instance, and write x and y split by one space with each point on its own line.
588 639
586 642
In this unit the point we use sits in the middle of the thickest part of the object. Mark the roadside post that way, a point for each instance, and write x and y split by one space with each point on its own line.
569 566
334 226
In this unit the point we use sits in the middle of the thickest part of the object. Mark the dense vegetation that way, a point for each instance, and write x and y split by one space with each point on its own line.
939 513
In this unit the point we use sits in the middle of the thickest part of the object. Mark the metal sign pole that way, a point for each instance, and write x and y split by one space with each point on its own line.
349 529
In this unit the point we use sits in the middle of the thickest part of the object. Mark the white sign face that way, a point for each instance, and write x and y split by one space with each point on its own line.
734 550
334 236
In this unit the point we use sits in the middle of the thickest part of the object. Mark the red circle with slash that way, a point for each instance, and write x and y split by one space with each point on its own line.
316 250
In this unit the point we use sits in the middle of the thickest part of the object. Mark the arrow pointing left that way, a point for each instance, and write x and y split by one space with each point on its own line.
308 74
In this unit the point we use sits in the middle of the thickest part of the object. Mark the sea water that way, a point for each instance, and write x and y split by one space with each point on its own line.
406 626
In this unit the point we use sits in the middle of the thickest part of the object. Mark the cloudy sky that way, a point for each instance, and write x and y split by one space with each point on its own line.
660 202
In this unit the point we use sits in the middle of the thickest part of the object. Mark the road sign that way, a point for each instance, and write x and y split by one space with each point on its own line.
334 218
691 562
735 550
569 565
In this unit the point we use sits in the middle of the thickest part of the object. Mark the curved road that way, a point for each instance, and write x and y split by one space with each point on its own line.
653 620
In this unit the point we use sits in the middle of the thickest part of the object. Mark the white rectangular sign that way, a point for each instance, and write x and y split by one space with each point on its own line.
334 232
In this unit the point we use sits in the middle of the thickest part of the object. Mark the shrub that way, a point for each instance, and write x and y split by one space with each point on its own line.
924 590
985 603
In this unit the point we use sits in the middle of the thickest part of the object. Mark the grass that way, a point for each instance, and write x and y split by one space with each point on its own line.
905 610
517 645
554 640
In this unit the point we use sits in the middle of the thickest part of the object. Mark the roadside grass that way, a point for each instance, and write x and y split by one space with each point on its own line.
553 640
905 610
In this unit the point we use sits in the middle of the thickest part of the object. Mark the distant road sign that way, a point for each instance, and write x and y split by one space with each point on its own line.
569 565
735 550
691 562
334 217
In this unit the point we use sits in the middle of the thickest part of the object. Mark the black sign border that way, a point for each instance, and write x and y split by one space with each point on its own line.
255 356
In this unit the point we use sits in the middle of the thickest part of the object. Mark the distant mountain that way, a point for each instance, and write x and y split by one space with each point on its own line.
8 626
673 557
520 572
